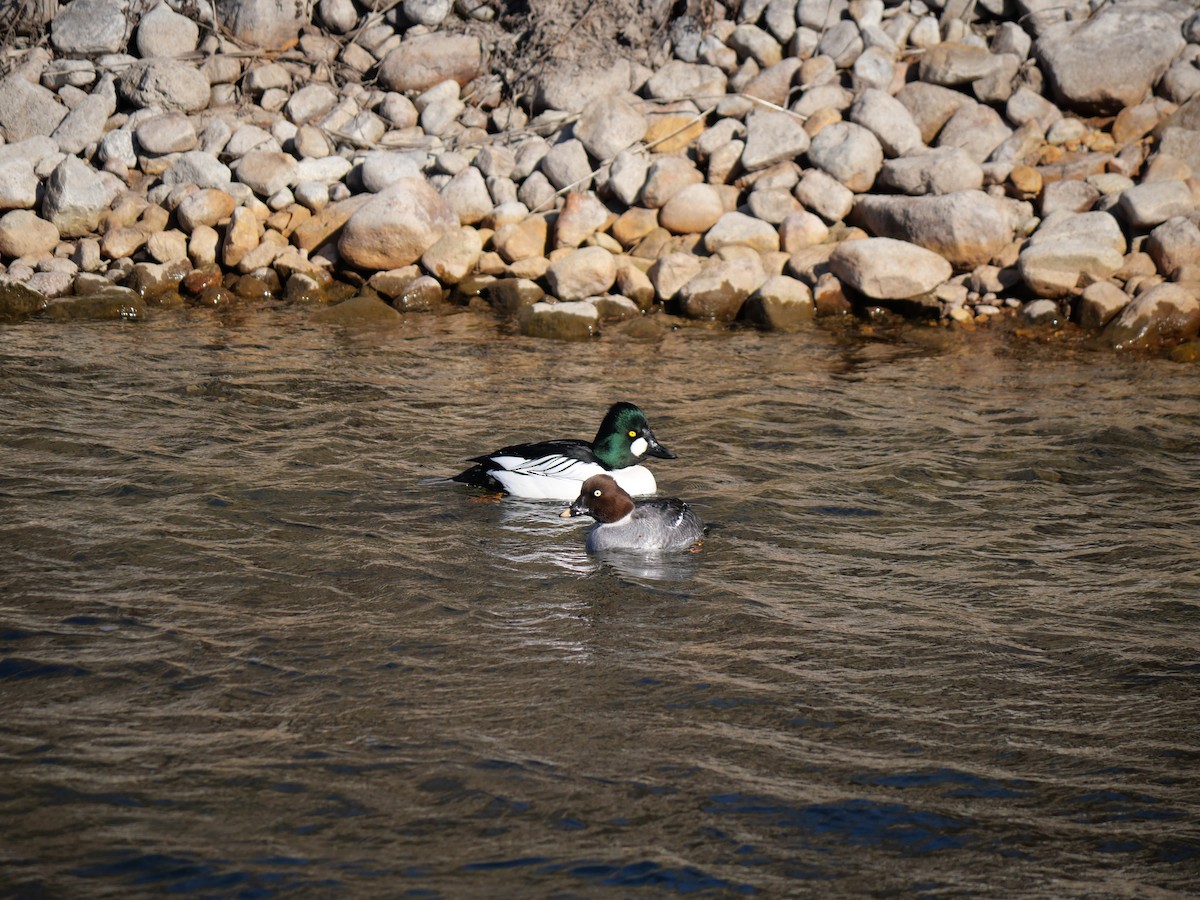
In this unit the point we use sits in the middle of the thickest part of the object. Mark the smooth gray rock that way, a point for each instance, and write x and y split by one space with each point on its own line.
270 24
735 229
266 171
968 228
309 103
875 68
85 124
721 287
429 13
1069 251
89 28
199 168
666 177
394 227
168 133
942 170
60 73
977 129
572 321
421 61
825 96
820 14
581 273
75 198
842 43
338 16
931 106
772 136
1098 304
164 32
679 80
1153 202
28 110
567 164
165 83
1173 244
889 120
627 177
467 195
24 233
609 125
1136 45
886 269
781 303
824 195
1027 105
327 170
381 168
18 184
117 146
951 64
849 153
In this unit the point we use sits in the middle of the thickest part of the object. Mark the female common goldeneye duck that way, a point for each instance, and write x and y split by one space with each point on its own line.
553 470
622 523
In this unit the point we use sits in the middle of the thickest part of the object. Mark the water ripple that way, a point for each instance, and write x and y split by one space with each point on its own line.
941 639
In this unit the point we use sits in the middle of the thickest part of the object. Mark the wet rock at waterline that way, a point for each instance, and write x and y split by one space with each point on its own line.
1164 315
572 321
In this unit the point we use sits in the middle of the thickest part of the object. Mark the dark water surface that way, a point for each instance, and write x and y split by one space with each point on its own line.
944 642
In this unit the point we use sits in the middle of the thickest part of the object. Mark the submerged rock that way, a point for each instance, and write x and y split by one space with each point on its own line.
18 301
362 311
781 303
573 321
113 303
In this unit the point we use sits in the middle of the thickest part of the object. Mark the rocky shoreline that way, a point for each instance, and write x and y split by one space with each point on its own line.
767 163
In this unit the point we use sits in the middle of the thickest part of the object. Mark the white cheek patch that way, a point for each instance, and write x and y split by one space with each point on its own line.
639 447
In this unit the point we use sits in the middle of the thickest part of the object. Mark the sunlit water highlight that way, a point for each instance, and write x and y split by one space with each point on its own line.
942 641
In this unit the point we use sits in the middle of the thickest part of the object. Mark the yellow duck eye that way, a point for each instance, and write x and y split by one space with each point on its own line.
633 434
597 492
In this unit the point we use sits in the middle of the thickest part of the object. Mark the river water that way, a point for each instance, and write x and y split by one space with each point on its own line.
942 640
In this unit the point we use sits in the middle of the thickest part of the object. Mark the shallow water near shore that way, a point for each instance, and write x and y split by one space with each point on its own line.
943 639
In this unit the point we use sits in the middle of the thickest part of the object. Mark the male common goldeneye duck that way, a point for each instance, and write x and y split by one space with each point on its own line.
622 523
553 470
